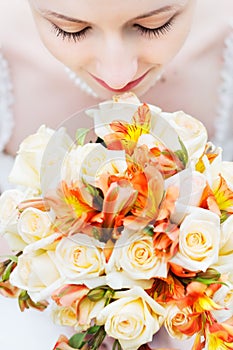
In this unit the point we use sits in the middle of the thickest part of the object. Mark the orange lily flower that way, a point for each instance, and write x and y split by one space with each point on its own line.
72 210
219 336
224 196
125 134
167 289
166 161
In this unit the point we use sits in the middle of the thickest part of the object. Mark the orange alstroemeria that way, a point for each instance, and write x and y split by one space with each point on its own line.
166 239
167 290
219 336
126 135
198 296
200 166
223 195
38 203
117 204
166 161
208 201
72 207
166 234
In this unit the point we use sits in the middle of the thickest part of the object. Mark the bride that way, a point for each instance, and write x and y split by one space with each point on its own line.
177 54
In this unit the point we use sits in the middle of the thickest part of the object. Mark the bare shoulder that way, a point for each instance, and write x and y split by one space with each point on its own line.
216 13
213 22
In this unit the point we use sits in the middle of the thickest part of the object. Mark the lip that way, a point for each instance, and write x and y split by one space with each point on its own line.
127 87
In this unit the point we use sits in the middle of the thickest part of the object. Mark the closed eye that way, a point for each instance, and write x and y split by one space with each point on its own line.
154 32
74 36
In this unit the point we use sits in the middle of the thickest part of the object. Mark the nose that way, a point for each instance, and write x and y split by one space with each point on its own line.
116 63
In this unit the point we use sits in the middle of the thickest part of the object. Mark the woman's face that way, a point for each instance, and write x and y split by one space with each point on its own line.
115 46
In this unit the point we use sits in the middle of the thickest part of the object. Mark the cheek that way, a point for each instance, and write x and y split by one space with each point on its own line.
161 50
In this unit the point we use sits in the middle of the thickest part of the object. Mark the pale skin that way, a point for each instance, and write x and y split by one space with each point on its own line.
114 49
187 43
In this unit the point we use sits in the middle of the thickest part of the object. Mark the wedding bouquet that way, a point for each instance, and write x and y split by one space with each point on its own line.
124 230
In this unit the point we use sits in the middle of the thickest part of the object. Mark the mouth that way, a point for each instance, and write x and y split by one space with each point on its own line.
127 87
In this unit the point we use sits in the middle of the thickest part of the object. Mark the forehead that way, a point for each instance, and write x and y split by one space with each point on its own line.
94 10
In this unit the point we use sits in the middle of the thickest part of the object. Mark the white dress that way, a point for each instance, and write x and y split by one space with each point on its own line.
33 329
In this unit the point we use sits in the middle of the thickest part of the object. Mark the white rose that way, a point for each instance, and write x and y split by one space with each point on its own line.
28 165
191 185
37 273
133 255
33 225
9 201
133 318
161 133
191 131
226 242
64 316
199 240
80 258
224 298
9 217
227 173
26 169
224 265
87 312
175 318
91 160
212 169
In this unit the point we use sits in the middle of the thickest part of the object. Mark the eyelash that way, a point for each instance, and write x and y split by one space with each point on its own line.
154 32
148 32
76 36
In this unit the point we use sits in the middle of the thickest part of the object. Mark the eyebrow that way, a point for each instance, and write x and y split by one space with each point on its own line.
76 20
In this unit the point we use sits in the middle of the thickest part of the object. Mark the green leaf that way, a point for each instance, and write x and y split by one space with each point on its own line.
77 340
93 329
81 135
116 345
182 154
149 230
13 258
7 272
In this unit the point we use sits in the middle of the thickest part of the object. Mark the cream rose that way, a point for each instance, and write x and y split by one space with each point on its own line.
175 318
191 185
9 217
199 240
87 312
224 263
34 157
37 273
33 225
64 316
226 242
8 208
191 131
133 318
81 259
227 173
133 256
90 160
224 298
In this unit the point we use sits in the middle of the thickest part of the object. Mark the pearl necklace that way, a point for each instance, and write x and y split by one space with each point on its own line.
80 83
